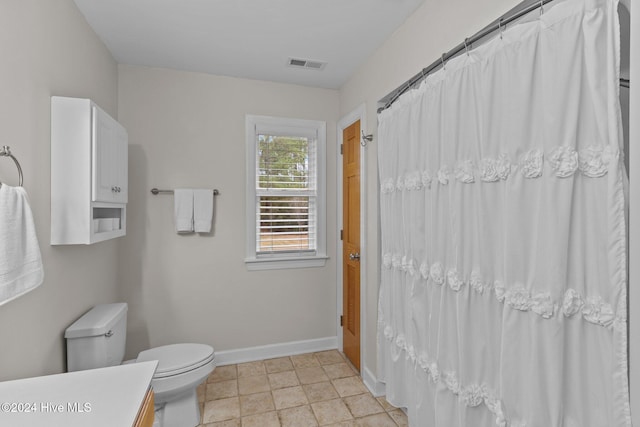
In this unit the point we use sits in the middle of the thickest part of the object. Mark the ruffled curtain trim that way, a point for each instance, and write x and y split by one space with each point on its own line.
470 395
564 161
592 308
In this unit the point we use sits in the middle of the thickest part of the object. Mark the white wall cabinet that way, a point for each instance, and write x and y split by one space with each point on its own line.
89 173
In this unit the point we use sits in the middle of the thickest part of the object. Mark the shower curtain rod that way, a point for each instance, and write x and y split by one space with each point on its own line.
507 18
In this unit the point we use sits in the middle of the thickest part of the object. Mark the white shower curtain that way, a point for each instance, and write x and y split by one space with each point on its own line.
502 206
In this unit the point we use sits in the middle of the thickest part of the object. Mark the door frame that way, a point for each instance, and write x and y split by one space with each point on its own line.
634 225
358 114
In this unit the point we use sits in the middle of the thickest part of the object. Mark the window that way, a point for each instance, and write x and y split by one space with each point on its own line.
285 193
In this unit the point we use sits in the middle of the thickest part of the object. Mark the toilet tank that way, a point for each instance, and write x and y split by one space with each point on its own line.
98 338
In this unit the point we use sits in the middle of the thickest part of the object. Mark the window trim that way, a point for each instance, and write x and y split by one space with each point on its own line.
288 127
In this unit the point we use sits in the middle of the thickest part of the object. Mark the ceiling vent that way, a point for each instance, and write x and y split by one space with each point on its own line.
306 63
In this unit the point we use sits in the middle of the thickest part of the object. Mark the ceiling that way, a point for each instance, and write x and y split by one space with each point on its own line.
251 39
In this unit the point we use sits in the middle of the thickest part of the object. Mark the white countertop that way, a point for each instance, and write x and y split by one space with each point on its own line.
109 397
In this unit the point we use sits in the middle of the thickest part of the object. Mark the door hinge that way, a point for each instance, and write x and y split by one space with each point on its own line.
341 145
341 234
341 321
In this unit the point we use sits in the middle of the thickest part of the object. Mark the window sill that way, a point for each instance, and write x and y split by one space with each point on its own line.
255 264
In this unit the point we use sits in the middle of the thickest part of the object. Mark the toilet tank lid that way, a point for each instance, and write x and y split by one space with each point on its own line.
97 321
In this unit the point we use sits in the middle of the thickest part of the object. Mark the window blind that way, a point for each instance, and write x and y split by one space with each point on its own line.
286 208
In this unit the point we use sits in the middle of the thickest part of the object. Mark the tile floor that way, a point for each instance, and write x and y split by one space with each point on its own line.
307 390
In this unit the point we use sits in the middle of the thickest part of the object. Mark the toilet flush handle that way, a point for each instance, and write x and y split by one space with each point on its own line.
109 334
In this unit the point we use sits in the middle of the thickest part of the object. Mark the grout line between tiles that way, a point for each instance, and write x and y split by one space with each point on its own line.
386 409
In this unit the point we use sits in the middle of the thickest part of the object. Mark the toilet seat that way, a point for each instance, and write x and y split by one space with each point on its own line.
176 359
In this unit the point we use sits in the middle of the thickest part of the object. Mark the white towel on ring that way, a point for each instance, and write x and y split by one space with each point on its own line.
20 261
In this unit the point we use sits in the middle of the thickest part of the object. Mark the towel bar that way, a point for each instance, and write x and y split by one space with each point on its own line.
6 152
156 191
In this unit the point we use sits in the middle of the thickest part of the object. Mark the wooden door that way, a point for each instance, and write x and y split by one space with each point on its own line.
351 243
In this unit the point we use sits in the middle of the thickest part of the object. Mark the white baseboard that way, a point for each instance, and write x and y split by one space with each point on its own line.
251 354
377 388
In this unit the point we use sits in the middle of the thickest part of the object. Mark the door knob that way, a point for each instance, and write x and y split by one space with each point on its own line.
354 257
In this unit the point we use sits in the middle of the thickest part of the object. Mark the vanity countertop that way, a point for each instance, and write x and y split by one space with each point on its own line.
109 397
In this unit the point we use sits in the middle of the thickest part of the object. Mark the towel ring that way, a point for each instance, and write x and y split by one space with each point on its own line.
6 152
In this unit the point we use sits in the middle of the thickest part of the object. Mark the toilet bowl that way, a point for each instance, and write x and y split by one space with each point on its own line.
181 368
97 340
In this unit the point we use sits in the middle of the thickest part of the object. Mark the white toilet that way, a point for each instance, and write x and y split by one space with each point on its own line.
97 340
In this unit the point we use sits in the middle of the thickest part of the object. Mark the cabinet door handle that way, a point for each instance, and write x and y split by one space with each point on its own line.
113 189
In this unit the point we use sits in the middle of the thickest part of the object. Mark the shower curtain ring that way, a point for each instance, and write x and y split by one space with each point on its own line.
500 28
466 46
423 76
541 7
444 55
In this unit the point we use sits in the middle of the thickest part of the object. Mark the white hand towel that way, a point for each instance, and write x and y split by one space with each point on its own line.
183 209
202 210
20 260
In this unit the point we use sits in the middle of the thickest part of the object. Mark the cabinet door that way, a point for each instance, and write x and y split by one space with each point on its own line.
121 164
110 159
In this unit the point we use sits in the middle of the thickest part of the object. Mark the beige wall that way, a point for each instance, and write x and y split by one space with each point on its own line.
435 27
47 48
188 130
